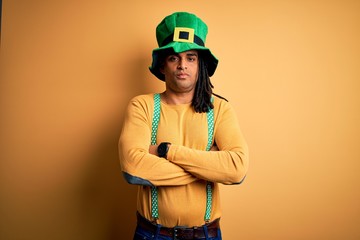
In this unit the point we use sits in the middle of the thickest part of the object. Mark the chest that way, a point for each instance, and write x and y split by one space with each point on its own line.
181 125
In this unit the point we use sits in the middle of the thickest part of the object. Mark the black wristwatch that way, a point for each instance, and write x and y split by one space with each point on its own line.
163 149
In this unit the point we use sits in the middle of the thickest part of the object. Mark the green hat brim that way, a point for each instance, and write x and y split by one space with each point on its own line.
178 47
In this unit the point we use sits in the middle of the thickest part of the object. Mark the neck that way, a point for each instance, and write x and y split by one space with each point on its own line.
177 98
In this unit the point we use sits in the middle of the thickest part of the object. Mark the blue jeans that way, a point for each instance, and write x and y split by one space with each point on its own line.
142 234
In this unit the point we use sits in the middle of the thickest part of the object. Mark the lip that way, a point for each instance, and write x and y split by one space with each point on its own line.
182 75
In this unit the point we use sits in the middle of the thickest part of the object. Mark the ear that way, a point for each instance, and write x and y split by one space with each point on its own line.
161 69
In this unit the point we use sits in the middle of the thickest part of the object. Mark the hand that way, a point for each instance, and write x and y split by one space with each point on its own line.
153 149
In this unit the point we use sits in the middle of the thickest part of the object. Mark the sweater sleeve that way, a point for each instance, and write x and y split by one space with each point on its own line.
138 165
229 165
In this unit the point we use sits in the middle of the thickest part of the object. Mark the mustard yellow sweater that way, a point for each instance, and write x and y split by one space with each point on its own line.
182 177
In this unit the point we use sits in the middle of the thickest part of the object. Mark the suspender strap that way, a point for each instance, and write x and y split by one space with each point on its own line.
154 128
155 124
156 118
210 122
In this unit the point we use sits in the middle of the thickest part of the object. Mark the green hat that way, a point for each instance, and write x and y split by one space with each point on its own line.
180 32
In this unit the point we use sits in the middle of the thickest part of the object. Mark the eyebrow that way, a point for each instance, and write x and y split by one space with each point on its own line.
192 54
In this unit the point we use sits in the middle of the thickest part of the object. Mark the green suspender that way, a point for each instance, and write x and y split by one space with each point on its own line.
210 121
155 124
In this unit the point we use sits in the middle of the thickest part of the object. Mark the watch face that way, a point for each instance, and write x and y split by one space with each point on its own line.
162 149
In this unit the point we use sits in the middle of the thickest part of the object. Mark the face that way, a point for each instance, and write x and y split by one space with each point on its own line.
181 71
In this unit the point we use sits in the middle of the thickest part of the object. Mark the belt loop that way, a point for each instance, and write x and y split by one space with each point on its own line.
206 232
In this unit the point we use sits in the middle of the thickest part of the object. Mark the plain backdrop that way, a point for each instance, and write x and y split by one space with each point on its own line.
290 68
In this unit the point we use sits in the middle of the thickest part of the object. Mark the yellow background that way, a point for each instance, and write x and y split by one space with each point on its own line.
290 68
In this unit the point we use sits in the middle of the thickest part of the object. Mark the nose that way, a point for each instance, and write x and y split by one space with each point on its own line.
182 64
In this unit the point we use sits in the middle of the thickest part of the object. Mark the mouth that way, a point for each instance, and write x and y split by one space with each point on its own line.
182 75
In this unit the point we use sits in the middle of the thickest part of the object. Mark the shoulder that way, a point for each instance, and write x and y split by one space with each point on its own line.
221 103
145 98
144 103
223 109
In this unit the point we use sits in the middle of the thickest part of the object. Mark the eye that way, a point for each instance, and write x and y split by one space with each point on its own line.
173 58
192 58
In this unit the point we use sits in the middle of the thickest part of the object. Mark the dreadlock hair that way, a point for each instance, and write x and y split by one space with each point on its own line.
203 89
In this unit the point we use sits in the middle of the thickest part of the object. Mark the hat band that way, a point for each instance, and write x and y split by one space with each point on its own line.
170 39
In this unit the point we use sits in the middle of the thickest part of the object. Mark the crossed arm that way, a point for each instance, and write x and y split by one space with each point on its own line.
227 163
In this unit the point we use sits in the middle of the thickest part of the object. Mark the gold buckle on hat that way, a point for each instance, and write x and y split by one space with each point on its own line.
182 34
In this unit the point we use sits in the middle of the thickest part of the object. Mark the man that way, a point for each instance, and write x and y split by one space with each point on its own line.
180 144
